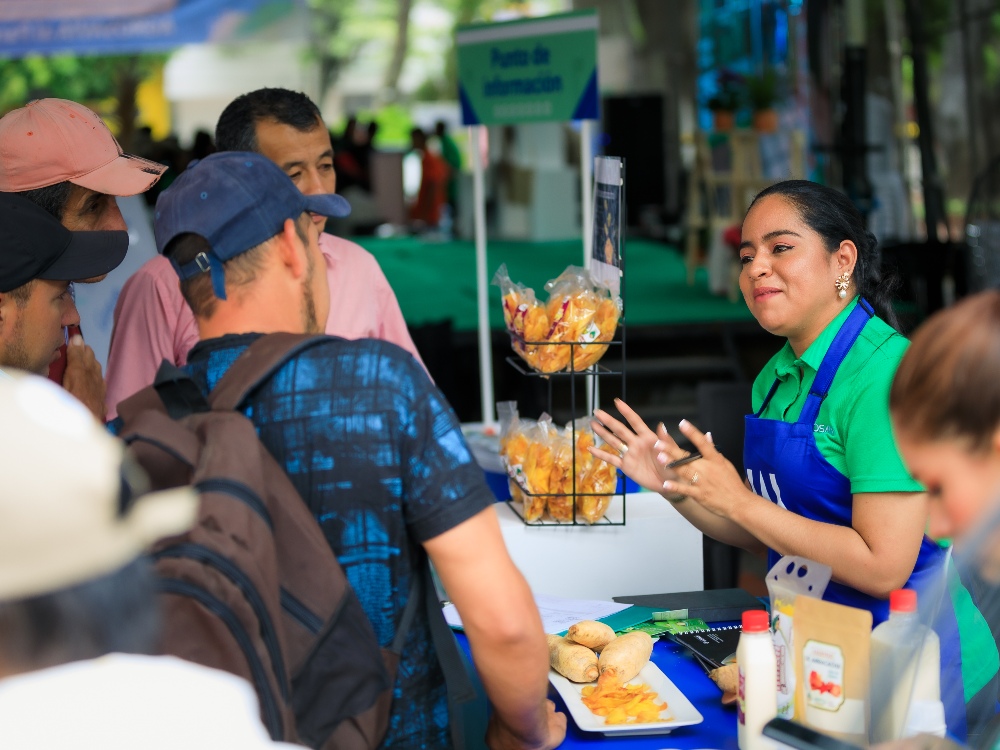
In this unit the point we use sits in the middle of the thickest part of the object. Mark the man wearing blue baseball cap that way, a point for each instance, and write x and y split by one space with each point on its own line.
151 320
369 442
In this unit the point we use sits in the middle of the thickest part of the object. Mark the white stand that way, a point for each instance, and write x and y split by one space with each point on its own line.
657 551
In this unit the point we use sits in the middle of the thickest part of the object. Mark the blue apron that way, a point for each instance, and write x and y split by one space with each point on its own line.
784 465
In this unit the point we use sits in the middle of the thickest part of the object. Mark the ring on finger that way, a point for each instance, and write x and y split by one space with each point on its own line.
624 448
694 478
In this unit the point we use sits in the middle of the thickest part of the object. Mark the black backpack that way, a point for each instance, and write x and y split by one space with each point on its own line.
254 588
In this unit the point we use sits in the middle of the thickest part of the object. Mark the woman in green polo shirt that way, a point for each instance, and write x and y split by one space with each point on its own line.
824 479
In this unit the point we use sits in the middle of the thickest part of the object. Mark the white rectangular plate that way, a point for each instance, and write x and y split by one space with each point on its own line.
680 712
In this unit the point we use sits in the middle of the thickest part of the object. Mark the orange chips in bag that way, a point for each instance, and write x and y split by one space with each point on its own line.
603 328
527 455
560 503
570 330
540 462
597 480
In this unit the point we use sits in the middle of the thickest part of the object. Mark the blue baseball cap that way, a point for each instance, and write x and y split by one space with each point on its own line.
235 200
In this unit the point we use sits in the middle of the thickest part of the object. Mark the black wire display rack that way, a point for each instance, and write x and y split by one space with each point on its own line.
577 382
609 237
616 513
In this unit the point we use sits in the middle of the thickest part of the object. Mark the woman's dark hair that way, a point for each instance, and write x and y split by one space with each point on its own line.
946 386
117 612
833 216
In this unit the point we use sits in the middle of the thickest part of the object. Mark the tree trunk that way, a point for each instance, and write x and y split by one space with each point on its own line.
127 83
983 100
327 24
399 50
935 217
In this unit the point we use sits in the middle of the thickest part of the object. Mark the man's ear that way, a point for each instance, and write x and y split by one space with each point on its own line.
290 249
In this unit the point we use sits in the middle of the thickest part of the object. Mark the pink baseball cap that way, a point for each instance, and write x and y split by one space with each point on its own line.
53 140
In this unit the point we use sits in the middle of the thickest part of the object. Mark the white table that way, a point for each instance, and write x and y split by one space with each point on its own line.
656 551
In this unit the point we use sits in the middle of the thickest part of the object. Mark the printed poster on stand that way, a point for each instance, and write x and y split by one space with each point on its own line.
609 199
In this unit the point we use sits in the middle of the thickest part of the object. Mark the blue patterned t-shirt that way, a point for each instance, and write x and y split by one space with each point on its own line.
377 454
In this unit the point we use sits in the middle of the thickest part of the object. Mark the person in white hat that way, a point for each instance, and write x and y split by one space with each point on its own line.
78 611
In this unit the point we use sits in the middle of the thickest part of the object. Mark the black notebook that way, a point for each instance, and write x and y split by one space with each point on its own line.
713 648
714 605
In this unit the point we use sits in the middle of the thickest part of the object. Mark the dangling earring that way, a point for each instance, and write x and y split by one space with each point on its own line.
842 283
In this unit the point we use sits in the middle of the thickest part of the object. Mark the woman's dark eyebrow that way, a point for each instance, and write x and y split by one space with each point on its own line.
771 236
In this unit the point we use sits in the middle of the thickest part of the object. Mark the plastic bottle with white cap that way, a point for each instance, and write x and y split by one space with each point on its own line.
906 673
758 681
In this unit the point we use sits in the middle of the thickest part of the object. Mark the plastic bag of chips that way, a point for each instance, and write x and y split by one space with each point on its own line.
561 481
527 455
524 316
570 331
596 479
548 472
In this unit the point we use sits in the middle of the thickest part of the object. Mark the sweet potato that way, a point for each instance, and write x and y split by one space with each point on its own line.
574 662
592 634
727 678
624 658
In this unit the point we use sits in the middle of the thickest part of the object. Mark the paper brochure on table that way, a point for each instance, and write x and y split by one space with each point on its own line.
557 613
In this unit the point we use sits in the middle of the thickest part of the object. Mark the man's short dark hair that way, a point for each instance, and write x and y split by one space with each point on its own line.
237 126
239 270
52 198
117 612
20 295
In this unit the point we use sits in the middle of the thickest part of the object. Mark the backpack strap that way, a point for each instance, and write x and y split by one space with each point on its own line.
129 408
261 359
423 595
173 392
414 600
456 675
179 393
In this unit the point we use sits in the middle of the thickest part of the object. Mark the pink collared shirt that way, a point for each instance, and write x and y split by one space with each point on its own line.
152 322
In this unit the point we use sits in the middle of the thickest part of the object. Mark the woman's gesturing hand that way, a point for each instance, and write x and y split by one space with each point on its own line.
635 445
712 481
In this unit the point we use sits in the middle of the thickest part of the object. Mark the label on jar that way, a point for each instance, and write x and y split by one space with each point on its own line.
781 633
823 670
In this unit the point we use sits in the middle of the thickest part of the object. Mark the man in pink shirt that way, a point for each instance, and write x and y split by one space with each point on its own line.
151 320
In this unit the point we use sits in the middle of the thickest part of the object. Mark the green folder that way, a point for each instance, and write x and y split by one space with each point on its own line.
626 618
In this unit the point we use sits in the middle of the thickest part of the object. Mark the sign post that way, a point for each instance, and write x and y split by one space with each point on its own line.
531 70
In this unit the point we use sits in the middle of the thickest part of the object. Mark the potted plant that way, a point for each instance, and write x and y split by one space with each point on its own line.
763 92
728 98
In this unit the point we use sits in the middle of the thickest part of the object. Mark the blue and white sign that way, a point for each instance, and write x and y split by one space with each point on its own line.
532 70
91 27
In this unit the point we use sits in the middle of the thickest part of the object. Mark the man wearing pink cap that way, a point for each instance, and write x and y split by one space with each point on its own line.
62 157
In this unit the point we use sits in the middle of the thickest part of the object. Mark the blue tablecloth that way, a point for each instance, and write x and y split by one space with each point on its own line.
717 731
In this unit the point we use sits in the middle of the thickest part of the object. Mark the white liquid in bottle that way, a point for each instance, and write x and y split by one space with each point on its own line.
758 681
906 668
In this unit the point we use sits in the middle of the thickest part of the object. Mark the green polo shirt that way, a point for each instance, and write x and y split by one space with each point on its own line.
853 431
